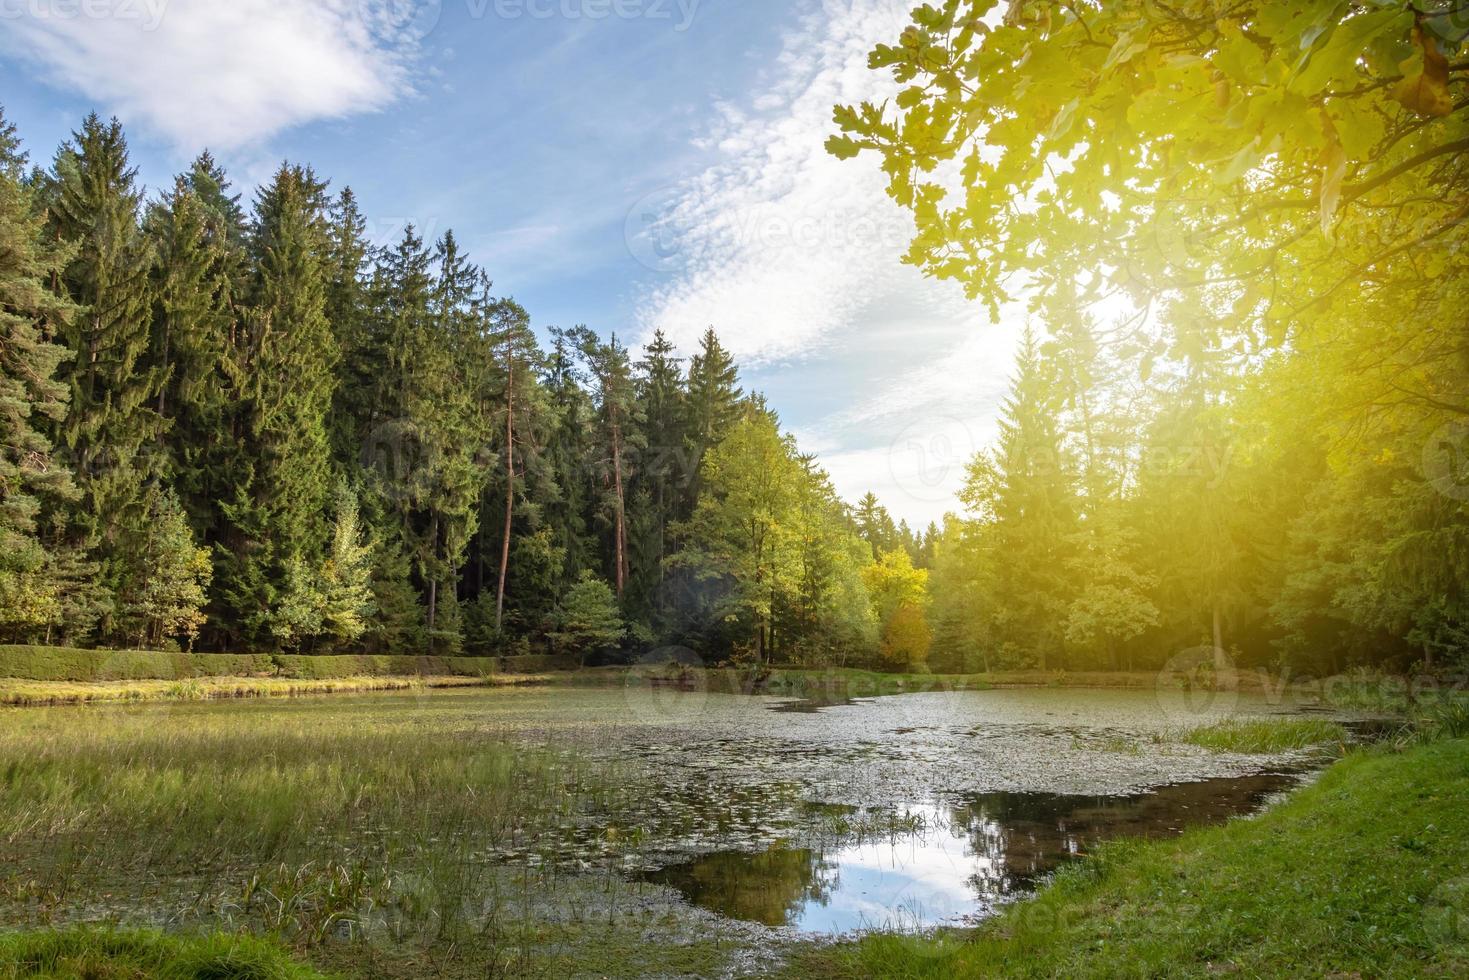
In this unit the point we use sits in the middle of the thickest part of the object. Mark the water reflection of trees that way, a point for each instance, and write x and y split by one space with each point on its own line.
1020 837
770 887
1013 838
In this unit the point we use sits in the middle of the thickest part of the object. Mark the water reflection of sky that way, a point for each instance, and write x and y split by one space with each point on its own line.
964 861
917 879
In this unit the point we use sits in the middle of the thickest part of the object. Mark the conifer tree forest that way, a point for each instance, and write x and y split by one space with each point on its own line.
233 424
229 422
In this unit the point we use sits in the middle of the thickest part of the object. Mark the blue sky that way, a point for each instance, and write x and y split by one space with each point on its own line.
628 164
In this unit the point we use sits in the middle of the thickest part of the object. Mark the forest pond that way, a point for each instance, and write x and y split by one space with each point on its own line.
902 812
626 821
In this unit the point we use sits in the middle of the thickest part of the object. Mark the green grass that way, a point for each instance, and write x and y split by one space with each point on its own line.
1364 873
320 823
104 955
1266 736
92 666
54 693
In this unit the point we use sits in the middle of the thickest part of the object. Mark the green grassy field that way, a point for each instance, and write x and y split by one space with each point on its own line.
102 955
292 821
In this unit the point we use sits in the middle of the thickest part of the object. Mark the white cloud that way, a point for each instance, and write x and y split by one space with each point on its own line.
222 73
779 244
795 258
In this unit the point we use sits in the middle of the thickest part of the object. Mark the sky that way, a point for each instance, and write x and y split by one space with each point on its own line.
628 164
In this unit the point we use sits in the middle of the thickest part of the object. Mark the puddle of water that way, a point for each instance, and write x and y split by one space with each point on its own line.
964 861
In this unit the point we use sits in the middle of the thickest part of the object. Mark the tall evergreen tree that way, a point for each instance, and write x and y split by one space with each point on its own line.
610 369
518 356
1023 491
112 429
192 346
32 480
666 468
278 514
568 455
714 397
348 311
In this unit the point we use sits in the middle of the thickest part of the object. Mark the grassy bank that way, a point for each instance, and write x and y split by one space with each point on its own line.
1364 873
102 955
99 666
41 693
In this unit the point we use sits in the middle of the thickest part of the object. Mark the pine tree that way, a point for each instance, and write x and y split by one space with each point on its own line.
714 397
610 370
1023 491
32 480
112 429
192 346
666 468
277 516
518 355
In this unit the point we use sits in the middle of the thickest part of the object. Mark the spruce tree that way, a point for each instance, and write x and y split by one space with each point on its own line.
112 429
666 469
714 398
567 504
192 346
32 480
1025 489
278 515
354 408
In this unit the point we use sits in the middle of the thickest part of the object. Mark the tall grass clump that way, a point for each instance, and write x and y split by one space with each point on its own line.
1447 719
1263 736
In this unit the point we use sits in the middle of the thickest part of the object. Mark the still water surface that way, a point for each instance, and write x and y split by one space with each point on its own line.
958 866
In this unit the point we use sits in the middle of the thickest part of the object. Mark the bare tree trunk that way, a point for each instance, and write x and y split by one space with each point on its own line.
1221 662
621 529
509 492
433 585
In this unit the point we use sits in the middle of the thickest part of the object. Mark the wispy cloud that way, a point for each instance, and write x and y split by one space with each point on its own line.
778 244
795 258
222 74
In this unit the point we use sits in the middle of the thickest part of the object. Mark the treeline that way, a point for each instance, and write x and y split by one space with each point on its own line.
1128 516
254 431
1258 445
